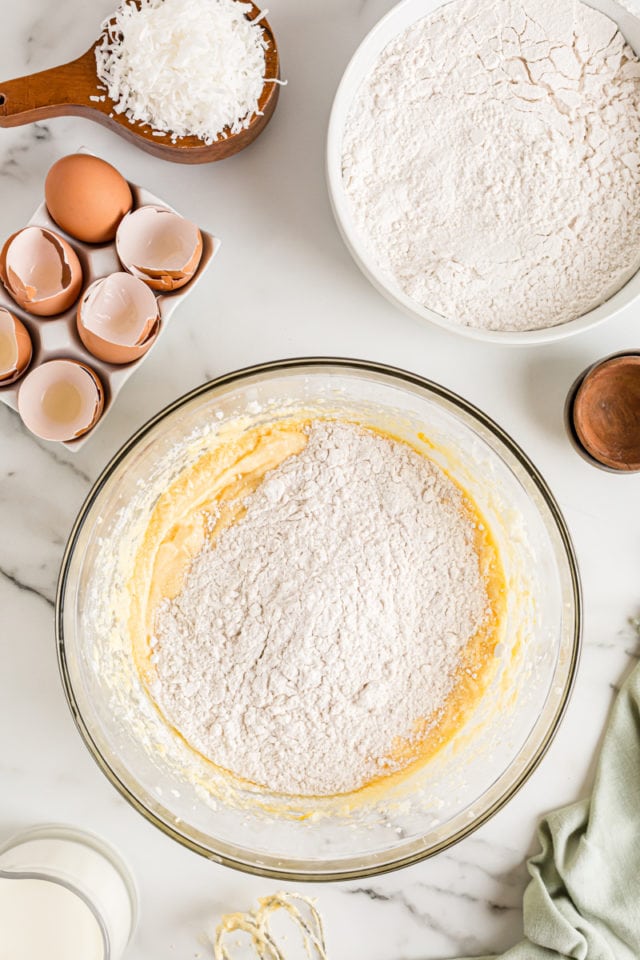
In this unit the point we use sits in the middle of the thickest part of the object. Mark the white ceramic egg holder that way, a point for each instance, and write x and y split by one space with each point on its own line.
56 337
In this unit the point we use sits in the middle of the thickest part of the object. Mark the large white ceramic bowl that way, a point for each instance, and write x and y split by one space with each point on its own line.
390 26
490 756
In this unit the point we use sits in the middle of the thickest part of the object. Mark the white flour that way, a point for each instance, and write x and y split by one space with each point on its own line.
491 162
327 620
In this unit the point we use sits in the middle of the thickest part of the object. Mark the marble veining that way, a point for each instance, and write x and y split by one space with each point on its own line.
284 285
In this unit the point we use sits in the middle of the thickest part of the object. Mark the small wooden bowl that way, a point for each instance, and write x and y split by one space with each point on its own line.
67 90
603 413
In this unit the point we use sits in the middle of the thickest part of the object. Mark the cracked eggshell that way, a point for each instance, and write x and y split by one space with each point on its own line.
41 271
16 348
87 197
118 318
159 246
61 400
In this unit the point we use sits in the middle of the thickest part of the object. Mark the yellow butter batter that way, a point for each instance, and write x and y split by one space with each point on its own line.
207 497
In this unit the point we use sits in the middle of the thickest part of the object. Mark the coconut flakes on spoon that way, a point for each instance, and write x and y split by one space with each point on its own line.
185 67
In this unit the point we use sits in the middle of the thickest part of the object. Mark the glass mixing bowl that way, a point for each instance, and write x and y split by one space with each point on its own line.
468 780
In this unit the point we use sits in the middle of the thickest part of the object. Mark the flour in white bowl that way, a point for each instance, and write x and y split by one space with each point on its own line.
491 161
327 620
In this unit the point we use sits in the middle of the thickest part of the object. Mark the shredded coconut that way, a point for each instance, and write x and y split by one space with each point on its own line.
327 620
185 67
491 162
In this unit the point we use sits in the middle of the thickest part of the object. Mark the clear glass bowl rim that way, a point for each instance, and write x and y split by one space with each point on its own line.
314 873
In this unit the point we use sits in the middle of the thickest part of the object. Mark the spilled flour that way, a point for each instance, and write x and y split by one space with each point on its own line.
327 620
491 162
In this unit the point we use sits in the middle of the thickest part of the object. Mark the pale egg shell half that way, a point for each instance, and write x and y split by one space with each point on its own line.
60 400
118 318
41 271
15 347
159 246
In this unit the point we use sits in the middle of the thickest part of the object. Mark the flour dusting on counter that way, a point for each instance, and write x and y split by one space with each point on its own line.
328 620
491 162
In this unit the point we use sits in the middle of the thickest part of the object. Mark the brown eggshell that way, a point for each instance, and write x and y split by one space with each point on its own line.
87 197
21 256
35 390
13 330
140 237
104 335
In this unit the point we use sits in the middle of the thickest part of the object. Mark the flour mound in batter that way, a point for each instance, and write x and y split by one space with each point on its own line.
327 620
491 161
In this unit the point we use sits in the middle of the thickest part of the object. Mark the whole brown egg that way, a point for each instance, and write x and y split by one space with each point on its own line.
87 197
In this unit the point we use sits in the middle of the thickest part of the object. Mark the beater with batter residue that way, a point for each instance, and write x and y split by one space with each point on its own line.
256 923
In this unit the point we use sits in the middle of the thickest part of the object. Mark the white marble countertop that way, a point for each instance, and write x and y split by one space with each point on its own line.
284 285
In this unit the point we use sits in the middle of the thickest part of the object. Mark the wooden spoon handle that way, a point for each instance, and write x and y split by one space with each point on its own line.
73 89
60 91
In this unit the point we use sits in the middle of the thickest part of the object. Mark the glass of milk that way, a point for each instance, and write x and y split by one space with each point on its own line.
64 895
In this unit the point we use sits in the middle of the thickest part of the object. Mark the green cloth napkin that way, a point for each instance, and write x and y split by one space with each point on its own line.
583 901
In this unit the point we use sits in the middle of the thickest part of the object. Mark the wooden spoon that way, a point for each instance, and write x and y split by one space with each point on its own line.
67 90
606 413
